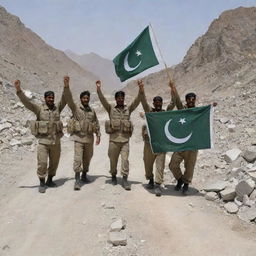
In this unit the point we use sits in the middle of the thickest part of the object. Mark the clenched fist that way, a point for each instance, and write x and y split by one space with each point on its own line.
66 81
98 84
17 85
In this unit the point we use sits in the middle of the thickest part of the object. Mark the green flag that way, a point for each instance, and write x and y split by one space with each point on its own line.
137 57
181 130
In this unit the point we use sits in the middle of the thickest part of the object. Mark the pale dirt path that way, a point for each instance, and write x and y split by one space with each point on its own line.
63 222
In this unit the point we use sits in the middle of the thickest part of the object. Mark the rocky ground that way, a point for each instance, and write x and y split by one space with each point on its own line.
65 222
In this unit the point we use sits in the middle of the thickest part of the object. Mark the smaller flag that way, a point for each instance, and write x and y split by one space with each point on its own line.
137 57
180 130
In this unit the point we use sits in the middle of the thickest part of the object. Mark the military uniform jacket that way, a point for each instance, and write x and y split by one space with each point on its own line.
85 116
119 117
148 108
49 119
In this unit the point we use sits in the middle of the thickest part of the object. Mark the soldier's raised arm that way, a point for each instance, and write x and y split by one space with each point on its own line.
175 96
68 94
103 100
143 98
135 102
172 104
25 100
63 102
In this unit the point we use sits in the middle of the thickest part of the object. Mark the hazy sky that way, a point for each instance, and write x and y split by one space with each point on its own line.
107 26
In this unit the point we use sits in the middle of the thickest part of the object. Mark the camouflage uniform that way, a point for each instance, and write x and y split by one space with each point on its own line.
188 156
84 124
48 129
148 156
119 128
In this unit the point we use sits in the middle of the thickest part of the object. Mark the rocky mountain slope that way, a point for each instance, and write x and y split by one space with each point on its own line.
24 55
223 56
99 66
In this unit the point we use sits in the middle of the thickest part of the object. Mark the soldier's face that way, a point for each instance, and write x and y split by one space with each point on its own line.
49 100
120 101
191 102
85 100
158 105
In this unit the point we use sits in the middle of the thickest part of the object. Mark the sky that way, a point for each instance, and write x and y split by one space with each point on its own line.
106 27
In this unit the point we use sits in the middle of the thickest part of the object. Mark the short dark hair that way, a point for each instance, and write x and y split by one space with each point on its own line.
85 93
119 94
48 93
157 98
190 95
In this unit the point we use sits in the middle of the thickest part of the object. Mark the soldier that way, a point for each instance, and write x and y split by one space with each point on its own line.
48 129
189 157
148 156
82 126
119 128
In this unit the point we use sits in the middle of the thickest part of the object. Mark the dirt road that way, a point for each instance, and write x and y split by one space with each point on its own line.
64 222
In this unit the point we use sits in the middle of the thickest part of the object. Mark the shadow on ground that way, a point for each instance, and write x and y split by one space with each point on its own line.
169 191
119 181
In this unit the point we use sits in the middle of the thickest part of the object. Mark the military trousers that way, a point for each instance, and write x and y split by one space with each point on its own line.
189 158
48 157
149 159
115 149
83 153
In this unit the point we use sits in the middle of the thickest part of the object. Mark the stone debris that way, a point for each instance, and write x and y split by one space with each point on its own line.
249 156
244 187
252 175
247 213
5 126
117 238
117 225
216 187
211 196
228 194
231 128
231 207
15 142
232 155
117 235
238 202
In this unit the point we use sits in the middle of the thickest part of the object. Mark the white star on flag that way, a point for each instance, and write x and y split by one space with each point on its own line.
182 120
138 53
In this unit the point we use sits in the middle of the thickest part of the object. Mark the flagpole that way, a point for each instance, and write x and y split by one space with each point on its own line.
166 68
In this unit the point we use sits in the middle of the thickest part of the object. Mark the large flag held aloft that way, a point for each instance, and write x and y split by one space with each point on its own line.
137 57
181 130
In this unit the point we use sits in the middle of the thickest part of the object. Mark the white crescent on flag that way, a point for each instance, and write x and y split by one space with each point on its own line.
127 66
173 139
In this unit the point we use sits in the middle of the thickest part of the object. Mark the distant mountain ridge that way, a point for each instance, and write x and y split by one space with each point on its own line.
102 67
25 56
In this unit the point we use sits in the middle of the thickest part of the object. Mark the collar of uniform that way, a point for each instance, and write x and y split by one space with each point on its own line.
154 110
47 108
125 107
88 108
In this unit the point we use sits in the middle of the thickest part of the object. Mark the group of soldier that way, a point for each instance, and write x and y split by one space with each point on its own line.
84 127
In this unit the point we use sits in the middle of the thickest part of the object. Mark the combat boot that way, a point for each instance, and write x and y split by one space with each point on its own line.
179 184
150 184
185 189
114 180
49 182
77 185
42 187
84 178
126 185
158 190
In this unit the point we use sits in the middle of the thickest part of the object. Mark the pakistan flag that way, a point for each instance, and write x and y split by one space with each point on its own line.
181 130
137 57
